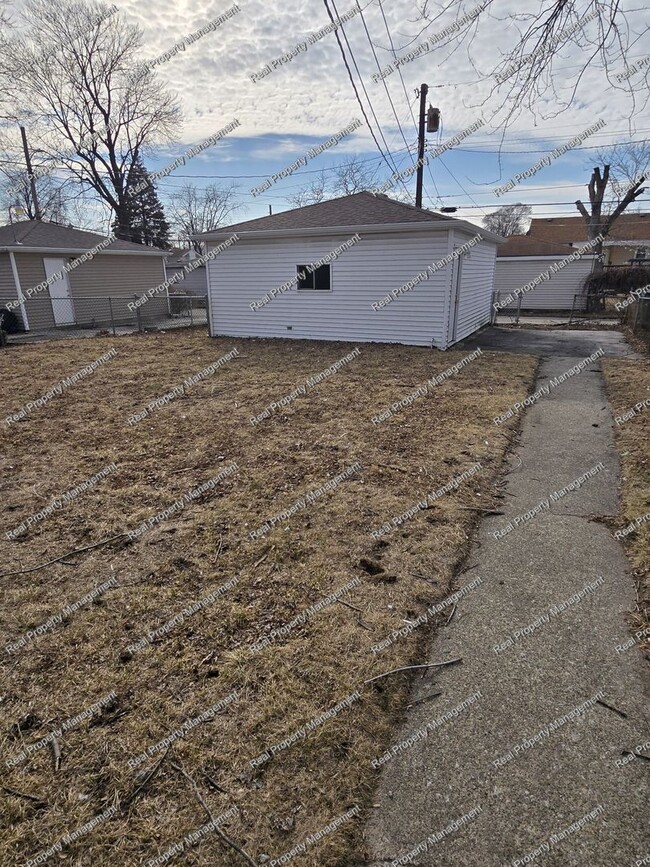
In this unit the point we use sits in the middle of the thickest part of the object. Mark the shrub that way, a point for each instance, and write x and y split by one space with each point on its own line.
617 281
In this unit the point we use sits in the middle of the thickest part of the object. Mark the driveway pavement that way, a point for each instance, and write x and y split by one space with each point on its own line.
525 756
579 343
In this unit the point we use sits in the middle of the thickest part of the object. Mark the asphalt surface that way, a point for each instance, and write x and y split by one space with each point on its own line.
521 763
550 343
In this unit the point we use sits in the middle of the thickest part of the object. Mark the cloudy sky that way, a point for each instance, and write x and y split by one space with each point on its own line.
303 102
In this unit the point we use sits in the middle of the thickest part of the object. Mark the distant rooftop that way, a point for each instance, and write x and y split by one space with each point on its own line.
39 234
553 236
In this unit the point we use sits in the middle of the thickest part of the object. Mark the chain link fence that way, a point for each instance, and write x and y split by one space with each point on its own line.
595 307
86 316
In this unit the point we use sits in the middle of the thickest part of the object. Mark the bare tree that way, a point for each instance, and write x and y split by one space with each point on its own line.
313 193
628 162
5 20
509 220
599 223
53 194
76 76
599 33
193 210
351 176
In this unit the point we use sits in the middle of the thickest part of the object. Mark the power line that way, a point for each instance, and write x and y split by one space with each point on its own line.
356 92
401 77
529 204
392 105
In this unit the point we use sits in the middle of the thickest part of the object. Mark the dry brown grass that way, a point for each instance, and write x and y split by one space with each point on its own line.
628 383
205 658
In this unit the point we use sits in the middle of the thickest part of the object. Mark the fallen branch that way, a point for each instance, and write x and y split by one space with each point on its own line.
393 467
349 605
18 794
216 556
410 667
56 753
222 835
424 578
152 773
215 785
423 699
63 556
479 509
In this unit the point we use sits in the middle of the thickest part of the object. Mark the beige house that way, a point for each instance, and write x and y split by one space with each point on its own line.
54 276
627 243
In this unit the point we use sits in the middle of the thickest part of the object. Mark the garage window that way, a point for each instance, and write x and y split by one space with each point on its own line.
319 280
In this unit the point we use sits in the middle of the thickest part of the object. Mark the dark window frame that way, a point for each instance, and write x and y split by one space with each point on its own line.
314 277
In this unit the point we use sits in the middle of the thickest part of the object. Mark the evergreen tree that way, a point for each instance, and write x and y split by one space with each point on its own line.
145 216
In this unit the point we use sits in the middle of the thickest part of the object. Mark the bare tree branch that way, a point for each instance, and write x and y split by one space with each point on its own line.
193 210
71 76
509 220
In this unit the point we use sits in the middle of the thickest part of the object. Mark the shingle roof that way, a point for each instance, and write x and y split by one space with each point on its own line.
359 209
39 234
554 235
523 245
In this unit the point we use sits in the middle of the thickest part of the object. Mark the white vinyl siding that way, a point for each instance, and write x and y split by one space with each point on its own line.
556 293
476 284
364 274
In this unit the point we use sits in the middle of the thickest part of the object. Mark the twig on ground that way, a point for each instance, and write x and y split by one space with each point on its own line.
56 753
261 560
423 699
152 773
216 556
63 556
215 785
453 611
424 578
18 794
613 709
222 835
479 509
349 605
409 667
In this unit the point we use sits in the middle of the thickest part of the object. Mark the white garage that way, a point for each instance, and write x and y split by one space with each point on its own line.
532 274
359 268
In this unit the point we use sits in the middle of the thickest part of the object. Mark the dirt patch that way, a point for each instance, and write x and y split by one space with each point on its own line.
628 385
172 631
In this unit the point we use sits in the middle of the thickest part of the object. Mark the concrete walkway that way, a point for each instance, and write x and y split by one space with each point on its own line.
535 752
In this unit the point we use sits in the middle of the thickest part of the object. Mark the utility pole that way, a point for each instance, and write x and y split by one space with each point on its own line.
424 89
30 173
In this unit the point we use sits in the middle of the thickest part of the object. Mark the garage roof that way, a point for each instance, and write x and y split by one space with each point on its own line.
365 210
39 235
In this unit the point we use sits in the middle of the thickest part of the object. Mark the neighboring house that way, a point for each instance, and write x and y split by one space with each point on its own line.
33 253
367 247
196 281
525 257
627 242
